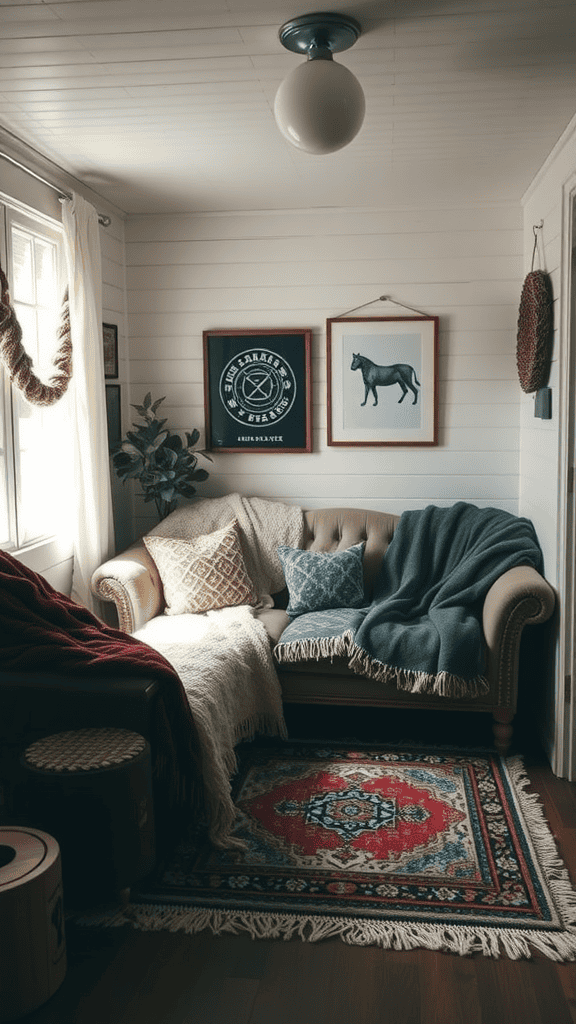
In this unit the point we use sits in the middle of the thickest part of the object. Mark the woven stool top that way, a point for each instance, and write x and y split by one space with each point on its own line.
84 749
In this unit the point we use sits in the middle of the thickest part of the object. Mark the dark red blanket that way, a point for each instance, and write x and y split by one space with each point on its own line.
44 630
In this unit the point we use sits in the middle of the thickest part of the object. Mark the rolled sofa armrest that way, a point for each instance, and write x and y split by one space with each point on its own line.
520 597
132 582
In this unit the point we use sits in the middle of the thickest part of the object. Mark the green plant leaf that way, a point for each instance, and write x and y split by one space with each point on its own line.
159 459
131 449
166 457
121 460
187 490
156 443
152 429
174 441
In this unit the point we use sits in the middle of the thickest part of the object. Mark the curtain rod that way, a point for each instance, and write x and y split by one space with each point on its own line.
103 218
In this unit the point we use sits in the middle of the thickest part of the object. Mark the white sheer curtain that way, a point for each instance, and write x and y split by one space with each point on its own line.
93 519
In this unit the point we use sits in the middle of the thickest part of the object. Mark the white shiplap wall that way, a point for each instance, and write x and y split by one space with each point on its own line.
189 273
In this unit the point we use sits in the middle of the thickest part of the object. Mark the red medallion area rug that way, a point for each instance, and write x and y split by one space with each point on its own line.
400 848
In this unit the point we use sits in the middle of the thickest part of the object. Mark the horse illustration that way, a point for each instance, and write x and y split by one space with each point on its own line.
382 376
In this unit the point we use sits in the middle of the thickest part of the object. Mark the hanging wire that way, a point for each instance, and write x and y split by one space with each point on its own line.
384 298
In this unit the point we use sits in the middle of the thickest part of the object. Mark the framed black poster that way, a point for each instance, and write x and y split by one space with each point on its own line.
258 390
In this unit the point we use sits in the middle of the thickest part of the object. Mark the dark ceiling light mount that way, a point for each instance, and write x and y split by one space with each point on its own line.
328 32
320 105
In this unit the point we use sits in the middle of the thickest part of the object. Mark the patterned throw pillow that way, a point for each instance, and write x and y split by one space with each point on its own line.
203 574
317 580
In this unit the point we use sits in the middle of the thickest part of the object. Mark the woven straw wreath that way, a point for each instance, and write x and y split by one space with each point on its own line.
534 338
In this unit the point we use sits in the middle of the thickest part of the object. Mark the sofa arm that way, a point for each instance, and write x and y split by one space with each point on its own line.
520 597
131 580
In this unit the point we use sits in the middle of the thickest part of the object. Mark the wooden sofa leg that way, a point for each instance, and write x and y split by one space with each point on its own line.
502 730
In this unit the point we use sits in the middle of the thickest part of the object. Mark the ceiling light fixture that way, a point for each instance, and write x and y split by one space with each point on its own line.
320 105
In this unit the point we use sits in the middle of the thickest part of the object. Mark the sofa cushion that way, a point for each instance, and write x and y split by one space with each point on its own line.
202 574
274 620
318 580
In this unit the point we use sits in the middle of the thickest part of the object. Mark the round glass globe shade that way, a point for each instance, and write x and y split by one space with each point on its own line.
320 106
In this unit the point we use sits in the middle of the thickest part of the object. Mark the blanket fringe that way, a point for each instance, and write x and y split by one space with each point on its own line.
443 684
318 648
262 725
315 648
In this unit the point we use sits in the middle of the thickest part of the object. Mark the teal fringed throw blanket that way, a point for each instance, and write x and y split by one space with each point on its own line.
423 629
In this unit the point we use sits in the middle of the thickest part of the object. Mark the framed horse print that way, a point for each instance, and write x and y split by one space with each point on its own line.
382 381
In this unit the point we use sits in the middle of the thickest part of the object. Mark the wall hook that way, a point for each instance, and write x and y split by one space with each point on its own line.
535 229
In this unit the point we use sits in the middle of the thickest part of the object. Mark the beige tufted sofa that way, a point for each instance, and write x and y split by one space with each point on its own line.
520 597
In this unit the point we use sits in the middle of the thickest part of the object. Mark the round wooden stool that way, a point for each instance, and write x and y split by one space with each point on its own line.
32 940
92 790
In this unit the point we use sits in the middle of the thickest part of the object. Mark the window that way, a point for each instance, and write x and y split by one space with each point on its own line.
35 441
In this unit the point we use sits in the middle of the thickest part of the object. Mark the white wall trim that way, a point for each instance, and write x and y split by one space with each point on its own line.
318 211
564 752
563 141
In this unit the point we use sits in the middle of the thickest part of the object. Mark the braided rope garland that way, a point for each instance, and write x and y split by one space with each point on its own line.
19 363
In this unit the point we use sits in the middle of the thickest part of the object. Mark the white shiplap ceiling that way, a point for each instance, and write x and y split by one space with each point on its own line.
166 105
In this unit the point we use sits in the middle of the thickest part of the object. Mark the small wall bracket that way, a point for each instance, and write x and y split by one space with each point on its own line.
543 404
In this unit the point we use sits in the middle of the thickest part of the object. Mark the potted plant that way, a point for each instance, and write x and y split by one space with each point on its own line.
165 466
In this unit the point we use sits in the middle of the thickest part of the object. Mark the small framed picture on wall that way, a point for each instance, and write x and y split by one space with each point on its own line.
382 381
258 390
113 413
110 343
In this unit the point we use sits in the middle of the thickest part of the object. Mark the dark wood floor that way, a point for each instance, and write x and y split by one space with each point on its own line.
121 976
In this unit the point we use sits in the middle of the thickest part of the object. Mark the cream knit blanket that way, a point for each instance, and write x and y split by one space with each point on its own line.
224 657
264 525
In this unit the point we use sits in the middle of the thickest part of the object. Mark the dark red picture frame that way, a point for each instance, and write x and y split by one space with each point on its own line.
370 403
258 390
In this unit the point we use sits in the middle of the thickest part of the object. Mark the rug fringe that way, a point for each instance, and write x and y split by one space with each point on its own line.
463 940
538 831
397 935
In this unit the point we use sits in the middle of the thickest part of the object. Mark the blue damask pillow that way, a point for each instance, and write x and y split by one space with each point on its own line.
318 580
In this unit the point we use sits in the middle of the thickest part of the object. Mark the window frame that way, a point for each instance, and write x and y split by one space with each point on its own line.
49 547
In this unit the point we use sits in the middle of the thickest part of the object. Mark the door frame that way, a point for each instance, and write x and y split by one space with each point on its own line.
564 761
